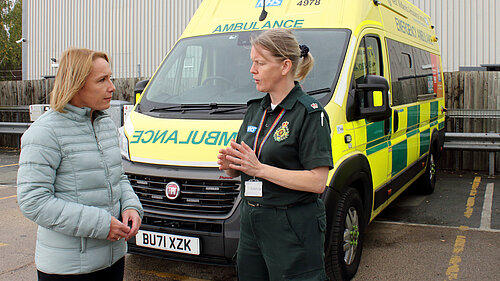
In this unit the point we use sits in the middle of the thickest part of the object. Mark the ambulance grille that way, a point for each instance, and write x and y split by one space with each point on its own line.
197 196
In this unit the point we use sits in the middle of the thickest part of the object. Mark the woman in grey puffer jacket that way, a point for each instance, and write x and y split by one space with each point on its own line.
71 181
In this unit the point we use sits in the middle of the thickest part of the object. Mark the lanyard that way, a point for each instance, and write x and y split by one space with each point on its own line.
276 121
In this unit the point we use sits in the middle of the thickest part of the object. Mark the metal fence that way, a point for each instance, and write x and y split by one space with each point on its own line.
16 96
473 102
472 99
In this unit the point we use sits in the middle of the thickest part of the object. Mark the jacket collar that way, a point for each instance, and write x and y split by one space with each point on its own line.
288 102
81 113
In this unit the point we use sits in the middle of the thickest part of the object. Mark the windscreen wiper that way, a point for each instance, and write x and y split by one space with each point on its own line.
185 107
216 108
319 91
166 108
228 108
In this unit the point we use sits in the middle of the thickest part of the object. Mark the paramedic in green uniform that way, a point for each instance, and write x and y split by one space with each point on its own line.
283 154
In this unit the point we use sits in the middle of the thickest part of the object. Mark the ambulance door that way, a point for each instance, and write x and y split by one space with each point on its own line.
404 97
369 62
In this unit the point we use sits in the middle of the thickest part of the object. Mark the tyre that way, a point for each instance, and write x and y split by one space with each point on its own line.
346 238
427 182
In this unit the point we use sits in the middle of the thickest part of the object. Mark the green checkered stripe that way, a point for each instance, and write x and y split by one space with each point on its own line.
377 140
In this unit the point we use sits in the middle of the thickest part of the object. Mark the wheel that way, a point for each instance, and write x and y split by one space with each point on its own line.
427 182
346 239
214 78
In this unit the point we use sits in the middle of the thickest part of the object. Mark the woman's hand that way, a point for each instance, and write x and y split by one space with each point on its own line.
132 216
117 230
224 163
242 158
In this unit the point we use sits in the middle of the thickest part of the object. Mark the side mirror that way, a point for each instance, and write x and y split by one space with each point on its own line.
373 98
139 87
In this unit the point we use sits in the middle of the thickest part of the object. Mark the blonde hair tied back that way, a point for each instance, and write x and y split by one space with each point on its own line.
283 45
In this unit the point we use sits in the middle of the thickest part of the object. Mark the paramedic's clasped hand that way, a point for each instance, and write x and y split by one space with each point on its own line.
241 157
224 162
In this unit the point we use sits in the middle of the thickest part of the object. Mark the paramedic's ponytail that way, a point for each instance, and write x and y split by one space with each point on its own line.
306 63
283 45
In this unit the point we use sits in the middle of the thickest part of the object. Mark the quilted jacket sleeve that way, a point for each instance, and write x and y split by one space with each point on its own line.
39 160
129 199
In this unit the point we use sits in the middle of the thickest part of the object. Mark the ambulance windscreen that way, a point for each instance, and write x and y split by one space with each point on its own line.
215 69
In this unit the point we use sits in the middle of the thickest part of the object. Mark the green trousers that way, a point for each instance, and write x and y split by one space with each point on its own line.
282 243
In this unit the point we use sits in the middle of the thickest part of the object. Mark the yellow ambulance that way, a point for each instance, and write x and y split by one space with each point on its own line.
378 74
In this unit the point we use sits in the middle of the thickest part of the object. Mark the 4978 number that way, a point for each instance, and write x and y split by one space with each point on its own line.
308 2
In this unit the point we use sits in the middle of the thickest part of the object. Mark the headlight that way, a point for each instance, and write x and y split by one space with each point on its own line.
123 144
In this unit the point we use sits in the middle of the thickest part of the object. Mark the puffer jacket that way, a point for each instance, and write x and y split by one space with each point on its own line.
70 182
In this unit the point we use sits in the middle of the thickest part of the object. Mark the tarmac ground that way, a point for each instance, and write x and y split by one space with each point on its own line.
452 234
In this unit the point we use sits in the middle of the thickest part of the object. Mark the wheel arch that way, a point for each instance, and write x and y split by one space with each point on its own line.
352 172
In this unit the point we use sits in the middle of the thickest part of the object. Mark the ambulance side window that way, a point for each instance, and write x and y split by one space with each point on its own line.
423 72
411 73
373 56
368 59
402 64
360 63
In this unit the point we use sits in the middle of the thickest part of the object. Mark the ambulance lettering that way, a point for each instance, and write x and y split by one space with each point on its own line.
243 26
269 3
411 30
193 137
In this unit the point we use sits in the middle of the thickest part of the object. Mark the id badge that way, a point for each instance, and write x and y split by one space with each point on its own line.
253 188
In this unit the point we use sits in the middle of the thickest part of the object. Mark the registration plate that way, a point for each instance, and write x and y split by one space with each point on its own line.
168 242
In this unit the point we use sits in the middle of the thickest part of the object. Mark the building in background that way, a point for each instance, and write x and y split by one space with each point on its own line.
468 31
138 34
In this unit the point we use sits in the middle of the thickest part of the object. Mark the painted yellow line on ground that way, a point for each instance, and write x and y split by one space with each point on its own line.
171 276
463 228
472 198
12 196
454 264
3 244
488 202
9 165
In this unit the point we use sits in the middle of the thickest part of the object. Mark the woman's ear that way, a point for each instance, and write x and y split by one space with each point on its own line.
286 66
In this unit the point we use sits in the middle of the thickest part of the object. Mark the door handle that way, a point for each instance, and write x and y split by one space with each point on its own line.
387 126
396 121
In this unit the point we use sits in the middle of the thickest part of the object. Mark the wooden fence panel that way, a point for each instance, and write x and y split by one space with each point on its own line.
471 90
37 92
468 90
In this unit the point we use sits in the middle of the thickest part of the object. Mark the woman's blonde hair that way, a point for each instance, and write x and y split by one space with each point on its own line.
75 66
283 45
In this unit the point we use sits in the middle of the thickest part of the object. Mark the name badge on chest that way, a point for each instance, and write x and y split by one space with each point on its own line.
253 188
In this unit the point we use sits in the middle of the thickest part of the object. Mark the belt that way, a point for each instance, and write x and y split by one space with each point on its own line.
284 207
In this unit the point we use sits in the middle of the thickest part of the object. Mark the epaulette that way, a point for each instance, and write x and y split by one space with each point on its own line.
254 100
310 103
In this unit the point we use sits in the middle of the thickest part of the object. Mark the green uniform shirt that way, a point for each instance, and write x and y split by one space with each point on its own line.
299 141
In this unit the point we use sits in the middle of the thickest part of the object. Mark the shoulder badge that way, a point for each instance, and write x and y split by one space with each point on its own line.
310 103
282 132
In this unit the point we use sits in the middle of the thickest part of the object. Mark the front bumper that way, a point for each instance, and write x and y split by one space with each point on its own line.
218 232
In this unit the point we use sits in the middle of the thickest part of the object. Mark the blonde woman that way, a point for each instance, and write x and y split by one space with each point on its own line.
283 154
70 179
